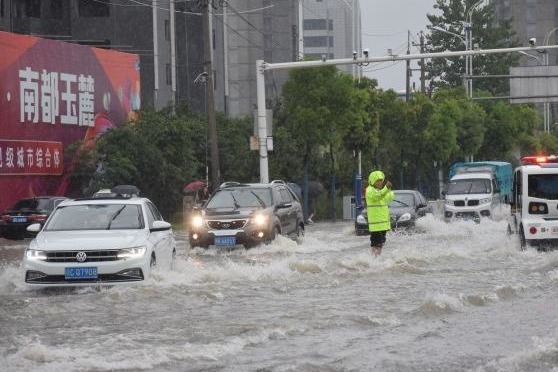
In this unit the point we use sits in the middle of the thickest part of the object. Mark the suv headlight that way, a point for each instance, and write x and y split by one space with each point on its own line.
259 220
448 202
132 252
197 221
35 254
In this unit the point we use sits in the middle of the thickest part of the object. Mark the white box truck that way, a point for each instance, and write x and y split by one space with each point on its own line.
476 189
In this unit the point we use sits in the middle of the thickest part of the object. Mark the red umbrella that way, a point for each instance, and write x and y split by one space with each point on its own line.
194 186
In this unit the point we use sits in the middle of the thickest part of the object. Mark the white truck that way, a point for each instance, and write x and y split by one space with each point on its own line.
534 202
476 189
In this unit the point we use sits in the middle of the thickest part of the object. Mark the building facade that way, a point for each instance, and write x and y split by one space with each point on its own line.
536 19
256 30
531 19
332 30
167 35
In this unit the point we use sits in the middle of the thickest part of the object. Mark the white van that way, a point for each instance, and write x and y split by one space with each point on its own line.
534 202
471 195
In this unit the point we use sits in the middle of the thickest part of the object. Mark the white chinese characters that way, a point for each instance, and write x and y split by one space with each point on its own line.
50 95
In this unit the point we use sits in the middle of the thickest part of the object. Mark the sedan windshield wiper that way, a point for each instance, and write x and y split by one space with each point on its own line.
114 216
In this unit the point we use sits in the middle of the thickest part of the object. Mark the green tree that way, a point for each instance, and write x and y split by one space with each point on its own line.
321 108
508 128
452 15
156 153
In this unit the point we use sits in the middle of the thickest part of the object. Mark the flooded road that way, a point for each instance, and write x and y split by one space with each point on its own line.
454 297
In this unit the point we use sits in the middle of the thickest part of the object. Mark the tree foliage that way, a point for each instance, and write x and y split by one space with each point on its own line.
452 15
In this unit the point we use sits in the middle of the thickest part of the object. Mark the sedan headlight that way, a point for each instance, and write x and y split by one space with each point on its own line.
404 217
197 221
132 252
259 220
35 254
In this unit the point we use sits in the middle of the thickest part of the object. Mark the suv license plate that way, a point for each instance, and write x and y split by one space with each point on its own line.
225 240
80 273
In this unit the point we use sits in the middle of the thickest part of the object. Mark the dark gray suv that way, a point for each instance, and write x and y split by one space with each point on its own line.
246 214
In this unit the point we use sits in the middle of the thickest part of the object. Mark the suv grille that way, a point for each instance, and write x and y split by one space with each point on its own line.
92 256
225 225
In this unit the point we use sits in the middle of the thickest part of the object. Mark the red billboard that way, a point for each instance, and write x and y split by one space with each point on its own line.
52 94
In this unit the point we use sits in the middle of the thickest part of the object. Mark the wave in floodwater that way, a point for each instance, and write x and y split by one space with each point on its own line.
334 249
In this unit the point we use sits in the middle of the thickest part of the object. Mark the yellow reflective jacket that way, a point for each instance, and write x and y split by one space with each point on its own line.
377 204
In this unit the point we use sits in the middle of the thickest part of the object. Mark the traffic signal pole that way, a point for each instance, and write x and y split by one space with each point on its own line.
262 67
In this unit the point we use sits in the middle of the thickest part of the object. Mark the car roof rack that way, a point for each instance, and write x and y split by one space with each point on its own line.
224 185
125 191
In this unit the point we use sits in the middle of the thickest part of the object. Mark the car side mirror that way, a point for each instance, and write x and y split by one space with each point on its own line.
284 205
34 228
160 226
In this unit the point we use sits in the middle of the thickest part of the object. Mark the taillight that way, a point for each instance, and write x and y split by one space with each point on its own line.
538 208
533 230
37 217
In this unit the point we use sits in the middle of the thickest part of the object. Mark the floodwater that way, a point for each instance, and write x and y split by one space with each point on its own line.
454 297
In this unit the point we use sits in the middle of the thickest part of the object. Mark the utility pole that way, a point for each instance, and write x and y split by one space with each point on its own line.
422 66
209 96
408 69
422 77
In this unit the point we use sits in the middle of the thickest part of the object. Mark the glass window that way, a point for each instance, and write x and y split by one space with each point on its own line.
315 41
97 8
544 186
156 214
315 24
469 186
96 217
406 200
286 195
240 198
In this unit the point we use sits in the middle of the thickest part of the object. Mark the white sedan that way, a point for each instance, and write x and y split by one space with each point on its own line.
101 240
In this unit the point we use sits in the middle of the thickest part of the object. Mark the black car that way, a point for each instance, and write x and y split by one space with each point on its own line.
246 214
27 211
405 208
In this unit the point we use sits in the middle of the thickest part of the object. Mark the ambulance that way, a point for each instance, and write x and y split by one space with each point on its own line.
534 203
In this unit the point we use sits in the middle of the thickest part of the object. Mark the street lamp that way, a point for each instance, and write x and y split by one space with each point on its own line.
466 74
546 62
469 38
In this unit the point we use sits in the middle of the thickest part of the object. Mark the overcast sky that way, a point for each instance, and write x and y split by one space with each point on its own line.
384 26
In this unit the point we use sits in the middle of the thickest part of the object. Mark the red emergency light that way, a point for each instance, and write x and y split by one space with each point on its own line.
539 159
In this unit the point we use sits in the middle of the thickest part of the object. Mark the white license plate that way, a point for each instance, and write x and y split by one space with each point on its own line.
80 272
225 240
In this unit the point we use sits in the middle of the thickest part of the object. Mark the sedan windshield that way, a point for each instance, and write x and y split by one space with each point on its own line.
402 200
241 198
96 217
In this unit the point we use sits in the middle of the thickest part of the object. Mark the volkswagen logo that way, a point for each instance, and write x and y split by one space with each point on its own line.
81 256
